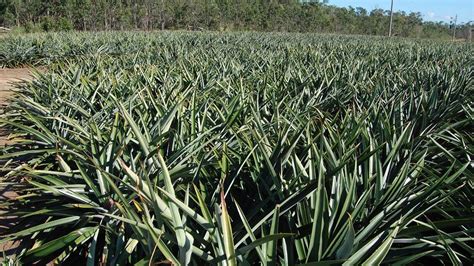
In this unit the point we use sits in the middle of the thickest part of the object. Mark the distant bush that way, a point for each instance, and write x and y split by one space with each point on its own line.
47 23
31 27
64 24
56 24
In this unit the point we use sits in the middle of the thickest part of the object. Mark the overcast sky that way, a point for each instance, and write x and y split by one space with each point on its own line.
433 10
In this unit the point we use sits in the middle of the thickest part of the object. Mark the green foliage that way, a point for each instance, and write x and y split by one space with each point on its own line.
55 24
32 28
242 15
48 24
240 148
63 24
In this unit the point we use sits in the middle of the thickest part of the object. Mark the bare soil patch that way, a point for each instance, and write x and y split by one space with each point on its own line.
7 78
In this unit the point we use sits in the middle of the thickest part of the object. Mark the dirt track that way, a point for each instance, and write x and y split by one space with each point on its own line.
7 77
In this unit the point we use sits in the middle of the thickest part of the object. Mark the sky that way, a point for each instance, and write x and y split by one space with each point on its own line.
431 10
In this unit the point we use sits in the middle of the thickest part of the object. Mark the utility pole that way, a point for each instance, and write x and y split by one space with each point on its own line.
391 20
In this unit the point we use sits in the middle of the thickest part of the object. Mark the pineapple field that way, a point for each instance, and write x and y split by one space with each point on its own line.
206 148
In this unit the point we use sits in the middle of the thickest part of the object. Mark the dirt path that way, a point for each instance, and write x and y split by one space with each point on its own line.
7 77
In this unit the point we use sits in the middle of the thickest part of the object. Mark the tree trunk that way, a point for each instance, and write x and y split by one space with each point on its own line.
17 17
162 15
106 24
135 20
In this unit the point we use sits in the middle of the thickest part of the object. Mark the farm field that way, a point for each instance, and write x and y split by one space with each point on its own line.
239 149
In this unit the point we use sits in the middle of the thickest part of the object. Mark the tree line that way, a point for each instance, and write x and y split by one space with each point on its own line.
255 15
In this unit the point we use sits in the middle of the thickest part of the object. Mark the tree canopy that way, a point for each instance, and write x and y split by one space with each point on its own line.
255 15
